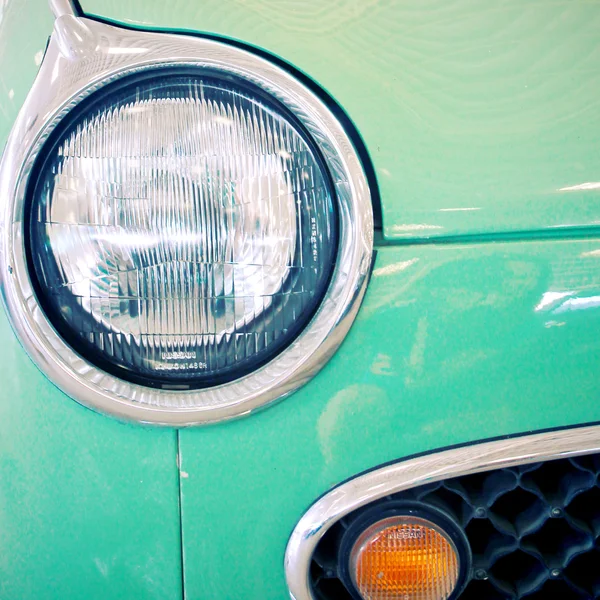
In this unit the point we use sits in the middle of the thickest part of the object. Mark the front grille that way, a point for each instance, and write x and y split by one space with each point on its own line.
534 531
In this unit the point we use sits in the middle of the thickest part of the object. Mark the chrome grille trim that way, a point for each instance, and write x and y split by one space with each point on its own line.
413 472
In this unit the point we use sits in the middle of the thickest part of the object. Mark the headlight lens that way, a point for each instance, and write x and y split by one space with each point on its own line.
182 229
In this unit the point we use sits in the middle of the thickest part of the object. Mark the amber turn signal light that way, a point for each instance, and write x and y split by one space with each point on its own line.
404 558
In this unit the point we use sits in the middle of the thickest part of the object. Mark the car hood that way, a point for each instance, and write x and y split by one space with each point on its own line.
480 118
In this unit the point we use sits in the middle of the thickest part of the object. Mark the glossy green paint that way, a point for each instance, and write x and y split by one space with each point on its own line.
478 116
453 343
88 506
24 31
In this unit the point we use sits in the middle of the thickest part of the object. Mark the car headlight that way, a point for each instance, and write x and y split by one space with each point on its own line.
189 229
182 229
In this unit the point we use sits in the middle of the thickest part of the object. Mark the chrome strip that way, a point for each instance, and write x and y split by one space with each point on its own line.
83 55
60 8
397 477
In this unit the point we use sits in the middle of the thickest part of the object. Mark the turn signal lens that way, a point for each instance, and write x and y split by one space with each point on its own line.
404 558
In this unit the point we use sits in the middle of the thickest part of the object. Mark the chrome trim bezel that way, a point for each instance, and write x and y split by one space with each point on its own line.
63 7
400 476
84 55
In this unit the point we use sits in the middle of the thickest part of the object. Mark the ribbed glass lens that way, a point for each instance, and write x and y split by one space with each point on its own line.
182 229
405 558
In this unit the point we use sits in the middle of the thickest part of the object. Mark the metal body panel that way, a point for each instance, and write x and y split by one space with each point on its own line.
24 30
88 506
479 118
453 344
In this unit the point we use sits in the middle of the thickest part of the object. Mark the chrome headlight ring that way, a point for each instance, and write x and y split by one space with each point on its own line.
82 57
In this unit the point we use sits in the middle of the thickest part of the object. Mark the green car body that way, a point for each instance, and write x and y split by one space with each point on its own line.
481 319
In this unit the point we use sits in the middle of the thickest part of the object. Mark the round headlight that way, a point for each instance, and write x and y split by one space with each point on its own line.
187 227
182 228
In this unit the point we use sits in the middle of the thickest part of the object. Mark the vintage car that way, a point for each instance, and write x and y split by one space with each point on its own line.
301 300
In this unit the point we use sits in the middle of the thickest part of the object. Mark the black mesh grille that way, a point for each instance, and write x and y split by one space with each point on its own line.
534 531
